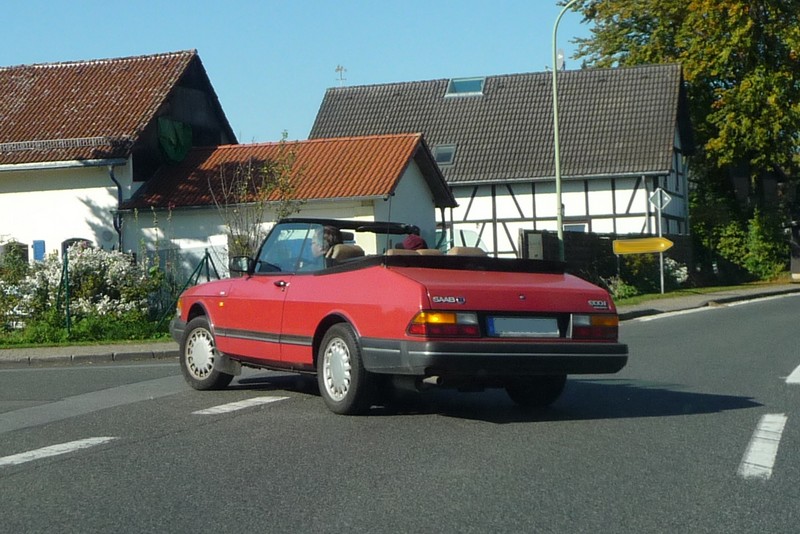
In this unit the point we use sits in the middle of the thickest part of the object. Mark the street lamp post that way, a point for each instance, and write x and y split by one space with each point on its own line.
556 148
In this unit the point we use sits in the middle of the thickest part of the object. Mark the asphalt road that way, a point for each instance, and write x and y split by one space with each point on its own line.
699 433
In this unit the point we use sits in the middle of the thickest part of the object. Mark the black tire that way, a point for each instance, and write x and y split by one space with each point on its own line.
536 391
345 386
198 351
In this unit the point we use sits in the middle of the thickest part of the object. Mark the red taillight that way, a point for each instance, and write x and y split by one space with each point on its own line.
444 324
605 327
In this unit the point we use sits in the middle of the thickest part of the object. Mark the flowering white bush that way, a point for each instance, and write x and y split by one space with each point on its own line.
100 283
676 270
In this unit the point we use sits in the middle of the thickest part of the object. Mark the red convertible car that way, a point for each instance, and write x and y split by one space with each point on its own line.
338 299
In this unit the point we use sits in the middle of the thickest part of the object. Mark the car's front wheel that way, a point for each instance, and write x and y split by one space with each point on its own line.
345 386
536 391
197 354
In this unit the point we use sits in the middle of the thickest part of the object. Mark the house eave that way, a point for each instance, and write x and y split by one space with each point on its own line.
213 206
68 164
544 179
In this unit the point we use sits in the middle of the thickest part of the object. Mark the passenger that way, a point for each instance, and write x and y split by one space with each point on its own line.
412 242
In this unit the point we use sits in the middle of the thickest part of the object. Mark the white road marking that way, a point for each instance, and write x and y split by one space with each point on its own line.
53 450
240 405
648 318
794 378
761 299
717 306
760 456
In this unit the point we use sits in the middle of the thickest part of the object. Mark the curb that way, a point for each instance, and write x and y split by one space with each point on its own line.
94 358
710 302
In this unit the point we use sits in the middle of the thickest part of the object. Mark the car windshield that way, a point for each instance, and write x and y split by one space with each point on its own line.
299 247
285 246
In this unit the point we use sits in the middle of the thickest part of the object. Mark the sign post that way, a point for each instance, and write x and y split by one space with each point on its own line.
660 199
647 245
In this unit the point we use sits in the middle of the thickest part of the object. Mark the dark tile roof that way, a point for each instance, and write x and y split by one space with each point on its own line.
611 121
85 109
328 169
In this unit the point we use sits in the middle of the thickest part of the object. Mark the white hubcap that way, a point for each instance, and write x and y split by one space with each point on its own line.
200 353
336 369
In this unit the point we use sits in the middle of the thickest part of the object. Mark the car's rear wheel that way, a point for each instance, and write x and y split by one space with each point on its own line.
197 354
345 386
536 391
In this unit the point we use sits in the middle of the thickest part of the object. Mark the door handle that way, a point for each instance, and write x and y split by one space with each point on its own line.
280 283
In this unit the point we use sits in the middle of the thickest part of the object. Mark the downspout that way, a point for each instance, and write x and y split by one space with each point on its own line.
117 215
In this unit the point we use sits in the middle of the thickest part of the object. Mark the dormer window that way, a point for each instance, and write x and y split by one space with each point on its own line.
444 154
465 87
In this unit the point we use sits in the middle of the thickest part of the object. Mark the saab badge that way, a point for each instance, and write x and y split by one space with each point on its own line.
448 300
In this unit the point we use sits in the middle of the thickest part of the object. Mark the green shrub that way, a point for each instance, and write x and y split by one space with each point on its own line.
110 298
641 273
619 289
756 246
13 269
767 248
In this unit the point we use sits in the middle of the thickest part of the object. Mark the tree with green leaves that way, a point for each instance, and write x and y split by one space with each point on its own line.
249 190
741 63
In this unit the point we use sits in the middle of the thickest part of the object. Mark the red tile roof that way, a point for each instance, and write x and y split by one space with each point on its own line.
351 167
83 110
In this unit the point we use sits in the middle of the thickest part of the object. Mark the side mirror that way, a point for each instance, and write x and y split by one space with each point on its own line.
240 265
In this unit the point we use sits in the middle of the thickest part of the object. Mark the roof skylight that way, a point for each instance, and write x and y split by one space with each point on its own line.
444 154
465 86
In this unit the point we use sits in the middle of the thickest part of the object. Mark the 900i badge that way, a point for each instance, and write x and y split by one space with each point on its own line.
599 304
448 300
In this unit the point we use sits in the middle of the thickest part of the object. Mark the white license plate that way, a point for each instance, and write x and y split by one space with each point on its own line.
522 327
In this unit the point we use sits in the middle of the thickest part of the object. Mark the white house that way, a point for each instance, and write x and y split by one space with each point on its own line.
77 139
179 212
624 133
126 154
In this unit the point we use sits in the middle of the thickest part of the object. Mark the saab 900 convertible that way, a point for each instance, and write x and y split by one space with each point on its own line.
338 299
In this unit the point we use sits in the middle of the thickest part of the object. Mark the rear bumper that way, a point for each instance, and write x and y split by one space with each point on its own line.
430 358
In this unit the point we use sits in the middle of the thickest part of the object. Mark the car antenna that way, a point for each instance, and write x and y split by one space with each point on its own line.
388 221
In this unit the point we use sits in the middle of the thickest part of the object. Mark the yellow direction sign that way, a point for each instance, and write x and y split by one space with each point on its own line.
642 245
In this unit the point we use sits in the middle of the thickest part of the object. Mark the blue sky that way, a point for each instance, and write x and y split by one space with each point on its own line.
270 61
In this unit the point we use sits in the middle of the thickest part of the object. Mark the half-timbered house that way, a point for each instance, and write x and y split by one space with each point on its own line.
624 134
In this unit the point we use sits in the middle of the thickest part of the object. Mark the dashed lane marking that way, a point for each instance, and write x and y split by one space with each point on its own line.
794 378
53 450
760 456
240 405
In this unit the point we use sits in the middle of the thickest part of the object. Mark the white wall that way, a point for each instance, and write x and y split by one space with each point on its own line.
181 237
412 203
55 204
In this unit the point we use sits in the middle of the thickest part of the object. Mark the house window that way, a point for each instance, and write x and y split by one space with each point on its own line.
465 86
444 154
575 227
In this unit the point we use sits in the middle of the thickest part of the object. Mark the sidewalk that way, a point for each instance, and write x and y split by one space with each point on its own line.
165 350
687 302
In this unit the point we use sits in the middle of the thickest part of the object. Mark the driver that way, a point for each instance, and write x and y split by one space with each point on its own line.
323 241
